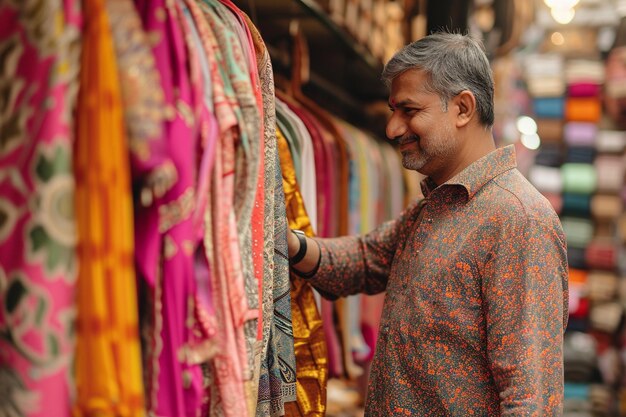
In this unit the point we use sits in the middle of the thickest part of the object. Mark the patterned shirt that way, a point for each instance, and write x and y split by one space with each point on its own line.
476 297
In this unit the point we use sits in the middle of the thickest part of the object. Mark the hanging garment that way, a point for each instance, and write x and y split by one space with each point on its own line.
323 164
226 393
40 63
260 218
308 177
325 175
310 346
248 189
108 354
277 381
165 236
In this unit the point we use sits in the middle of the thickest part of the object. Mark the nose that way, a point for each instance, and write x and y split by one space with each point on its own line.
395 128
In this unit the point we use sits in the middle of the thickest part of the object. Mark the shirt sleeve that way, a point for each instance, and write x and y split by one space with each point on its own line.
525 296
361 264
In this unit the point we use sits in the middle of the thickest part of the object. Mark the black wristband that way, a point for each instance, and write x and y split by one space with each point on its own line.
310 274
303 247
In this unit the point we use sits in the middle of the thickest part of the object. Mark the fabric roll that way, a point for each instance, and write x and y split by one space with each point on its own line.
543 65
580 154
556 201
579 358
546 179
581 391
584 71
609 364
550 130
578 178
583 109
602 285
606 207
606 317
546 86
549 107
577 325
550 154
601 398
578 302
610 173
580 133
576 204
576 257
583 89
611 141
578 231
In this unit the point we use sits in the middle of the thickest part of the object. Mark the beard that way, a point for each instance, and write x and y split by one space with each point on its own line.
438 147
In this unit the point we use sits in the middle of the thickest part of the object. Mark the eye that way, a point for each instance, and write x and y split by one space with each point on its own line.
409 111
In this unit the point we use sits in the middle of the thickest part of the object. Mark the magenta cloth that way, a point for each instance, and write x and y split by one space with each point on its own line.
40 44
580 133
583 89
165 229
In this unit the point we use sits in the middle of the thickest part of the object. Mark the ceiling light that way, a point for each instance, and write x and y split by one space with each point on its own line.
563 15
561 4
532 142
557 38
526 125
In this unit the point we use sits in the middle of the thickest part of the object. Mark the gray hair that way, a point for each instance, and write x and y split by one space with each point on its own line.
454 63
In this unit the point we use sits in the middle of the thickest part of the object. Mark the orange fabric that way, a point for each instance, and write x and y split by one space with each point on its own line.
577 276
309 342
108 359
583 109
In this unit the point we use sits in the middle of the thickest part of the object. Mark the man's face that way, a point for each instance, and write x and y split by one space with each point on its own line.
425 132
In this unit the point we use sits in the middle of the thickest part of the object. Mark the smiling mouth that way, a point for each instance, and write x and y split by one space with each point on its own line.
410 139
405 143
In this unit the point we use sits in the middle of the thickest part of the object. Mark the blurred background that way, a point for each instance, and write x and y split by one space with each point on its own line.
147 162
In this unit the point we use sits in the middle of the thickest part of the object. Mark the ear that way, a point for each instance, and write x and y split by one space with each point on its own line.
465 103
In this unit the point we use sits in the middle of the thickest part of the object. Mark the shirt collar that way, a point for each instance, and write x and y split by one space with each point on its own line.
479 173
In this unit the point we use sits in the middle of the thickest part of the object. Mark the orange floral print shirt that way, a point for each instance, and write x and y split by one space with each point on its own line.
476 300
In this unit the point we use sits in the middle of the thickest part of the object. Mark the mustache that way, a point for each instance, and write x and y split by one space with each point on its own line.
407 139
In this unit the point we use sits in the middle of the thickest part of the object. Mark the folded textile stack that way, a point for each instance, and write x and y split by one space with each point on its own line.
580 170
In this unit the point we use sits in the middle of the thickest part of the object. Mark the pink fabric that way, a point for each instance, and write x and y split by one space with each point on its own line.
227 281
165 230
37 236
258 211
583 89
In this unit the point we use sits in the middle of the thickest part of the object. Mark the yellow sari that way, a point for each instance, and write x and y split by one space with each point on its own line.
108 359
310 345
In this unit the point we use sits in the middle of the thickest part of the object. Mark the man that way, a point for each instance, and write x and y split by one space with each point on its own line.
475 274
